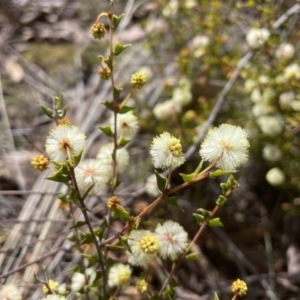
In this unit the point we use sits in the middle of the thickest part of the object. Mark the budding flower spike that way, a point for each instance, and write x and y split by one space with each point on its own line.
138 80
166 151
227 145
64 140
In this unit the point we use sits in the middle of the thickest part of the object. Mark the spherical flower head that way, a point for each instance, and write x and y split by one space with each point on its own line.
53 286
92 171
166 110
138 255
40 163
271 153
138 80
54 297
141 286
239 287
172 238
105 155
113 203
166 151
119 275
98 31
104 73
127 125
64 139
10 292
228 144
270 125
150 244
275 176
78 280
256 37
285 51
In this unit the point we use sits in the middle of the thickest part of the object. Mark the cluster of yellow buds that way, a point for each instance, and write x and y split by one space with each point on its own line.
138 80
104 73
98 31
40 163
239 288
113 203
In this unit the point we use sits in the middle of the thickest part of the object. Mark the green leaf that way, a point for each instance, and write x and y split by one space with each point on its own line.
172 202
218 173
231 182
63 198
161 181
77 158
99 233
120 48
187 177
108 61
116 20
47 111
108 105
59 177
86 193
93 260
205 213
122 143
221 200
62 112
121 213
199 219
224 188
58 101
86 238
124 243
125 109
215 223
192 256
106 130
78 224
62 175
216 297
117 92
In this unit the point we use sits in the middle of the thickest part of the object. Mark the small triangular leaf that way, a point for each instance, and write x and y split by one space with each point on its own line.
78 224
116 20
215 223
120 48
108 105
161 181
187 177
106 130
172 202
125 109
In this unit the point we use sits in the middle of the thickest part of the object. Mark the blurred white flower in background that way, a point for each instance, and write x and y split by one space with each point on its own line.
275 176
271 153
256 37
270 125
285 50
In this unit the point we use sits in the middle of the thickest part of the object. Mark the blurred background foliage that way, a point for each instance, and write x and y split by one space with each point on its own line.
192 48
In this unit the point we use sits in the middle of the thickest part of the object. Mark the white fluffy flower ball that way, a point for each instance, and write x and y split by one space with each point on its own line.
226 144
119 275
166 151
